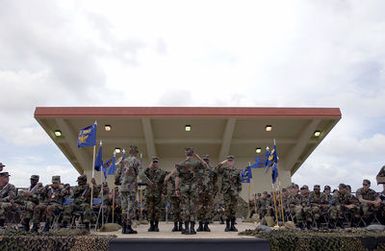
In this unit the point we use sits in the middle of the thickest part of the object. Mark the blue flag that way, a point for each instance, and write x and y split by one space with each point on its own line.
110 166
87 136
258 163
99 158
246 175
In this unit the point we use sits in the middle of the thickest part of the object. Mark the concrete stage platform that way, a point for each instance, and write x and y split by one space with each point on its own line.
217 239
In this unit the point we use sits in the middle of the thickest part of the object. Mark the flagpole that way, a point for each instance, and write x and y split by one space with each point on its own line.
93 173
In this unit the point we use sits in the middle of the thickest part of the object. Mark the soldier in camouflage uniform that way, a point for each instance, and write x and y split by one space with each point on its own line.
231 186
306 207
369 199
30 199
54 201
264 205
315 200
7 195
174 201
153 176
185 188
126 176
294 205
206 191
81 202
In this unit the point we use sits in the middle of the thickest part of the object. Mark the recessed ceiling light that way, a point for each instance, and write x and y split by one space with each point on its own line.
117 150
107 128
317 133
58 133
187 128
268 128
258 150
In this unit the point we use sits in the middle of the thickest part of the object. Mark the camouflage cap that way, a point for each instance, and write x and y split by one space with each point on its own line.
35 177
316 186
133 149
230 157
155 158
4 174
304 187
2 165
56 179
341 185
82 178
206 157
188 149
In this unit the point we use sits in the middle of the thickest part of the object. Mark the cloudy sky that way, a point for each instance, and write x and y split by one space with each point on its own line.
195 53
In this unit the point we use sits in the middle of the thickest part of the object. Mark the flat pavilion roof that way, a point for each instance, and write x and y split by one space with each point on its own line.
217 131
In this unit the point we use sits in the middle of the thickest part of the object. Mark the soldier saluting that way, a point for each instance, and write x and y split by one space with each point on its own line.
126 176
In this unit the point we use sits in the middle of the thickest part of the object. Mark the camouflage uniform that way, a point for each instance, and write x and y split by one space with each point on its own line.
186 176
29 199
315 200
174 201
81 205
367 209
206 190
153 176
231 186
7 194
54 201
126 176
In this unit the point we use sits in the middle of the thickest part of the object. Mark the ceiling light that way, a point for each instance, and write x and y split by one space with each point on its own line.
258 150
117 150
107 128
317 133
268 128
58 133
187 128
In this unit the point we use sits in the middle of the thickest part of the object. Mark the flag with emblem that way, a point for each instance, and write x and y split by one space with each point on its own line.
87 136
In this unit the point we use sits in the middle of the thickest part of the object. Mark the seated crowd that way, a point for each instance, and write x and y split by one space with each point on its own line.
321 209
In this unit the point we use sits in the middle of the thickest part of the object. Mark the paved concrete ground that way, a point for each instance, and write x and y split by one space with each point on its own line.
217 232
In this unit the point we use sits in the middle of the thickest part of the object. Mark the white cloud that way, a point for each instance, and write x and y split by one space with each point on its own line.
200 53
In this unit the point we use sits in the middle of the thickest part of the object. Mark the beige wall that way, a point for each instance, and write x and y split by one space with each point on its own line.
261 181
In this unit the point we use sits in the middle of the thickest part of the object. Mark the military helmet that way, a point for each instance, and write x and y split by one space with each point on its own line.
56 179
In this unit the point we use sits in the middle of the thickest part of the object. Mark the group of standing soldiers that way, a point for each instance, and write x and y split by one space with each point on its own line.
309 209
193 185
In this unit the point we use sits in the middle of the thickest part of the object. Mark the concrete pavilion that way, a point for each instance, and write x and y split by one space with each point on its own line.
217 131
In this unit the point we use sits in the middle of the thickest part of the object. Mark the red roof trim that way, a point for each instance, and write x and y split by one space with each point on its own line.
48 112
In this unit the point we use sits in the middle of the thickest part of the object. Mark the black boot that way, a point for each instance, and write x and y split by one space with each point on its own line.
175 228
227 229
25 225
2 222
186 227
200 227
130 230
47 226
206 227
151 228
87 226
221 220
35 228
192 228
124 228
232 226
156 226
180 226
